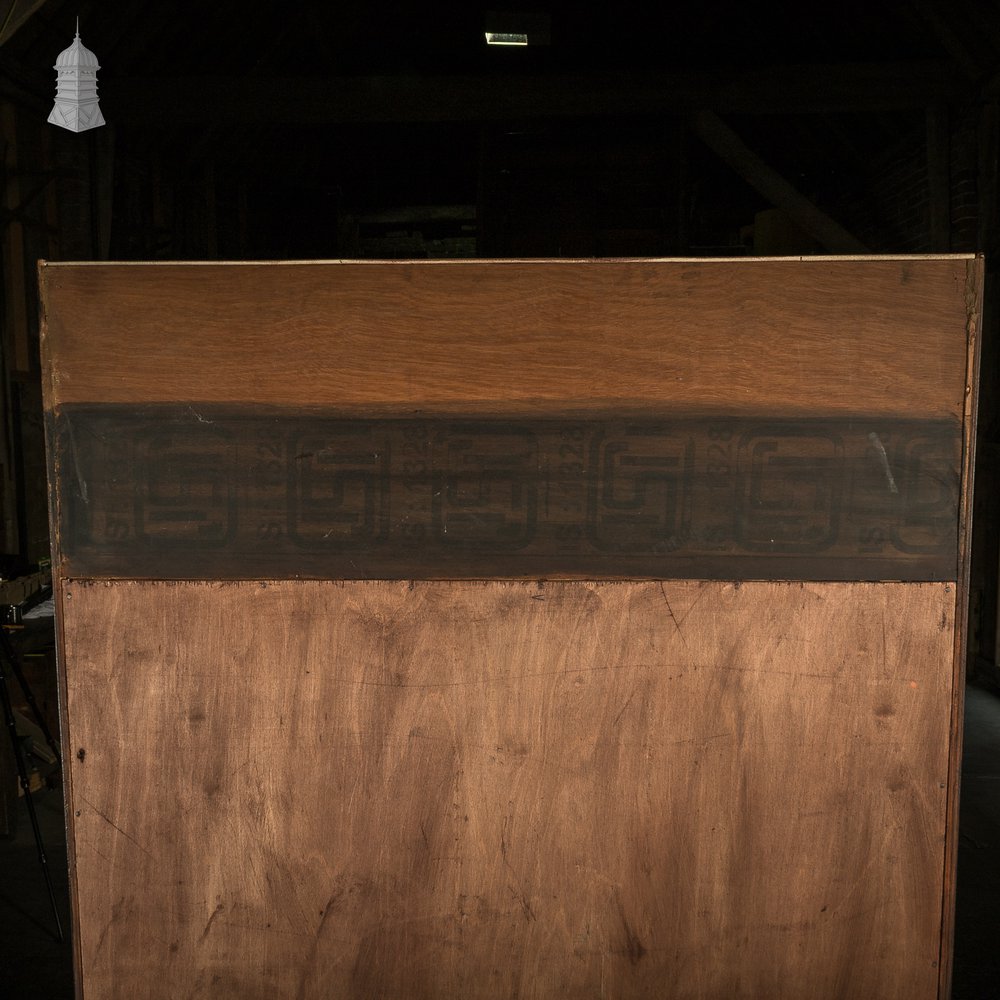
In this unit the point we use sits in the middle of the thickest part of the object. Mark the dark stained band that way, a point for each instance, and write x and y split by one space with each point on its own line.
184 492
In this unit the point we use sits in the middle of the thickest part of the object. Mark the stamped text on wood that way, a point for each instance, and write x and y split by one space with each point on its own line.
224 493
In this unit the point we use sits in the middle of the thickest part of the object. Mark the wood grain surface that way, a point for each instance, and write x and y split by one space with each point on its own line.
957 727
370 789
765 337
684 788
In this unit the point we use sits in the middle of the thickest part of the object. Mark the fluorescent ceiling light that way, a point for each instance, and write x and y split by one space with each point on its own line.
505 38
511 27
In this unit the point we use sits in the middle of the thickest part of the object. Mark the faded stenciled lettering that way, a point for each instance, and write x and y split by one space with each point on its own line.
231 492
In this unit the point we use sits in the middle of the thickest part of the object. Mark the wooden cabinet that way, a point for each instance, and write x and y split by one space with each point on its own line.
513 629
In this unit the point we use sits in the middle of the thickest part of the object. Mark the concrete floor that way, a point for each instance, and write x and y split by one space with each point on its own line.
33 964
977 918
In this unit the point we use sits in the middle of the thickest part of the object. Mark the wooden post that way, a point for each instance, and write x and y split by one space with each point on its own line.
51 201
16 310
102 182
210 243
938 178
988 242
243 219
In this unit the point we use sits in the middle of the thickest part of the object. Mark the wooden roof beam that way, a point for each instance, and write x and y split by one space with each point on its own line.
722 140
14 14
373 99
942 22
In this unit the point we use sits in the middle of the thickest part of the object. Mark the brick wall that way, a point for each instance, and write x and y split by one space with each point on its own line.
890 209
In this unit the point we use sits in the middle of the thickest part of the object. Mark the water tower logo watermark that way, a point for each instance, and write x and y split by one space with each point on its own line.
76 106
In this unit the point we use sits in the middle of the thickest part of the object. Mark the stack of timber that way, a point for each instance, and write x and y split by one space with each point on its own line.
513 629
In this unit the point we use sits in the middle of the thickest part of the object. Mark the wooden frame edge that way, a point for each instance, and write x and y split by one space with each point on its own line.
48 395
466 262
975 274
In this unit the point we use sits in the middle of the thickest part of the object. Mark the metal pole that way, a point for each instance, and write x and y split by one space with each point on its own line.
22 773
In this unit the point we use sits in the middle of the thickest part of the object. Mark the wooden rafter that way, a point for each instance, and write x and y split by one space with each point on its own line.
938 177
14 14
302 100
12 212
723 141
942 20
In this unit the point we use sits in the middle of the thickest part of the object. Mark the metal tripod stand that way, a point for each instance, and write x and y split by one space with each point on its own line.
8 656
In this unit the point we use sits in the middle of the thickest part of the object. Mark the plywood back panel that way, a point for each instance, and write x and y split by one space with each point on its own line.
512 629
686 790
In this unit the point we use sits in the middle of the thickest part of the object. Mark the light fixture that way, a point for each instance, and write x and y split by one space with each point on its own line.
76 107
505 38
507 27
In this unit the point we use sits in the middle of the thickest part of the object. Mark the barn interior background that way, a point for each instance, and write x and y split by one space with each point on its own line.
391 130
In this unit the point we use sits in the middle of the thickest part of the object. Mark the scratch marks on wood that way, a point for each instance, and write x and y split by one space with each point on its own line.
701 739
107 819
197 416
201 984
771 672
523 902
309 964
503 840
628 701
634 948
210 921
670 611
81 481
885 644
884 458
519 895
499 679
116 913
